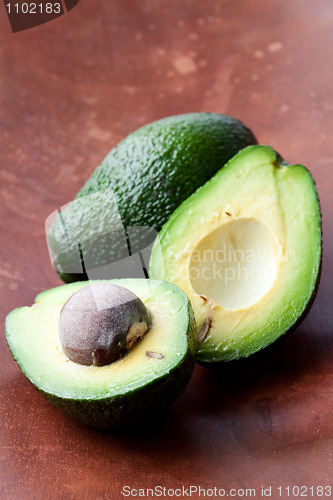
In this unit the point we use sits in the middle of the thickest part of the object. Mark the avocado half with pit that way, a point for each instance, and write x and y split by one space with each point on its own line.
147 377
246 249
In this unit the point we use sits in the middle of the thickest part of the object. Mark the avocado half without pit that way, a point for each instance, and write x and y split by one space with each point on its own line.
106 352
246 249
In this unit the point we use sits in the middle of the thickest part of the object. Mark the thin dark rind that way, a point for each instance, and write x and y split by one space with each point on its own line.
316 287
115 413
73 277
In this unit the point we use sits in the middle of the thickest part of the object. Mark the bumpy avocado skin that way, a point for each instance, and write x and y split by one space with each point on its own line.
157 167
151 172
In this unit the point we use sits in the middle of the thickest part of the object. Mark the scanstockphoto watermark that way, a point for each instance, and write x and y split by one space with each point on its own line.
226 274
229 264
193 491
263 491
227 254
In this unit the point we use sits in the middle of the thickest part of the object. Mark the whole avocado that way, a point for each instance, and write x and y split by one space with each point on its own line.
151 172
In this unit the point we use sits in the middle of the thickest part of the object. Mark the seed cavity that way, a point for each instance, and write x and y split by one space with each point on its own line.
155 355
204 330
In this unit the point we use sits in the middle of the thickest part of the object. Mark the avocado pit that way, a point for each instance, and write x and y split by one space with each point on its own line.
100 323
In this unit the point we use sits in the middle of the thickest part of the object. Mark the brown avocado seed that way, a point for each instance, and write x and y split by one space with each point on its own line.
100 323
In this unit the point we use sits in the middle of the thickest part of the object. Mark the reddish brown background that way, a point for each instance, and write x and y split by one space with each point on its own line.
70 90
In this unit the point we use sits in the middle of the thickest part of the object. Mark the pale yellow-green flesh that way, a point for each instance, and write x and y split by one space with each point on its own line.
235 264
32 334
265 218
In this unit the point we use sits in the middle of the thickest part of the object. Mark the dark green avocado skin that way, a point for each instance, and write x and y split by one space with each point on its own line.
151 172
122 411
157 167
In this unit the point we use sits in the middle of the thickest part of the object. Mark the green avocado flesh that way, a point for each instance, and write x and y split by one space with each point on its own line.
149 377
137 187
246 249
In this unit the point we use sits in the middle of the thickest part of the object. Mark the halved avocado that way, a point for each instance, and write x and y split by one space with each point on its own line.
149 377
246 249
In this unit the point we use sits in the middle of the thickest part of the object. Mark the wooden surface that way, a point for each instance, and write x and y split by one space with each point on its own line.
70 90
